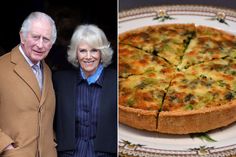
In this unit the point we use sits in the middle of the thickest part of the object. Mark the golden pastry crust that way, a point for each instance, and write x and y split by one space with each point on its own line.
203 120
137 118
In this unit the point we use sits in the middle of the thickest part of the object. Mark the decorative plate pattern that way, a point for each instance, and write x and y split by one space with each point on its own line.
133 142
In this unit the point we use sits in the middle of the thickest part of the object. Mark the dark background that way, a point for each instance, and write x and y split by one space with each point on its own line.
67 14
128 4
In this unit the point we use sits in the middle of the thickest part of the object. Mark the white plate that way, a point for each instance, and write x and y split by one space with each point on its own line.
142 143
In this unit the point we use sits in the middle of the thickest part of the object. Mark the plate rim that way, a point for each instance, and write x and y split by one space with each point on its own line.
187 7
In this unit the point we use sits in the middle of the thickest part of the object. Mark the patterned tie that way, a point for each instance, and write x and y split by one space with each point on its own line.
38 73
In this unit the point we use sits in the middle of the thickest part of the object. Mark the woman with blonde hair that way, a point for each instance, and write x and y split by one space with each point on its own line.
86 97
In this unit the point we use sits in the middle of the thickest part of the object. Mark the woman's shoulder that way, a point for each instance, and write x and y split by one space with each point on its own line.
64 74
110 76
111 71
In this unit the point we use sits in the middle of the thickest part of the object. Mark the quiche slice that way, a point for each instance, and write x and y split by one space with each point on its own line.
166 41
209 44
223 71
133 61
172 40
193 102
140 99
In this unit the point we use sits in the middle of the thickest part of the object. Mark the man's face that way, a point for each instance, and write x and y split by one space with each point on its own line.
38 42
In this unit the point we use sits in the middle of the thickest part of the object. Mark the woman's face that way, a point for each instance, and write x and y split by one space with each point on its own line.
89 58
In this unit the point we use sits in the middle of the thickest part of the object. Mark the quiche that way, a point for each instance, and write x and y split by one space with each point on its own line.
177 78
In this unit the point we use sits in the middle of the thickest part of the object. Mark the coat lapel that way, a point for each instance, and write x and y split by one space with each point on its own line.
24 71
46 82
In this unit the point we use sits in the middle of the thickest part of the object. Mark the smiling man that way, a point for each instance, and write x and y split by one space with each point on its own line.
27 99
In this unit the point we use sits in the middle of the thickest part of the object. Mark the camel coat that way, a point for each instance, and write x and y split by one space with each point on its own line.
26 115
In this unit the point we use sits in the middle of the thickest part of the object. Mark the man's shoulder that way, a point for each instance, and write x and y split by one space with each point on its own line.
5 58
